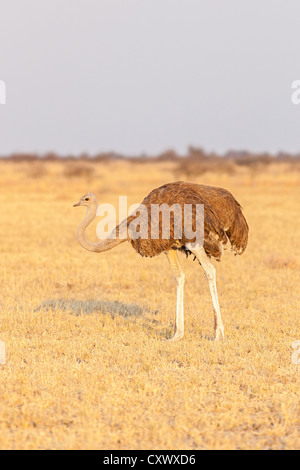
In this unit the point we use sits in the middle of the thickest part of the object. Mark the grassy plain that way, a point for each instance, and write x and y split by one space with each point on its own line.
87 366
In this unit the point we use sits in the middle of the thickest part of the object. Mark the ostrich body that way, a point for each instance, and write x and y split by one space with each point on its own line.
223 222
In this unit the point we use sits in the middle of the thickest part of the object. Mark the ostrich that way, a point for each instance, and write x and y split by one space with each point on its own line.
223 222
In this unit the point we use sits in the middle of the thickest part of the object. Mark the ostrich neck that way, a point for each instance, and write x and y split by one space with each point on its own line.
103 245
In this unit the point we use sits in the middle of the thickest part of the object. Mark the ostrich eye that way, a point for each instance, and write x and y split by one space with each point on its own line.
86 199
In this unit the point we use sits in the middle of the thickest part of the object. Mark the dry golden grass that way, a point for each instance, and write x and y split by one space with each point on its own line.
87 365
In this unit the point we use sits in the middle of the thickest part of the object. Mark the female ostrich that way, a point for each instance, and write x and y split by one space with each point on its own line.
223 222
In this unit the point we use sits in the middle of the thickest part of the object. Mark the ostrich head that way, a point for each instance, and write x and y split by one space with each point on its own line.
88 200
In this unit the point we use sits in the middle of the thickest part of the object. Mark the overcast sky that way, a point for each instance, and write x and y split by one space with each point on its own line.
147 75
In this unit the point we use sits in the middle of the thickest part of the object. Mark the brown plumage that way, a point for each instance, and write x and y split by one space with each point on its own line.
223 220
223 223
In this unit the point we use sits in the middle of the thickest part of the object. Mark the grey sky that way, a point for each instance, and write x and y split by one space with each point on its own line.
146 75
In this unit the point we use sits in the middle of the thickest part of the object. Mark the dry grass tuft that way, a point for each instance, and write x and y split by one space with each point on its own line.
78 170
37 170
279 262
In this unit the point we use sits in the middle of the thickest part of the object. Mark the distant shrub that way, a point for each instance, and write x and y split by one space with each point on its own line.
193 168
23 157
254 160
197 162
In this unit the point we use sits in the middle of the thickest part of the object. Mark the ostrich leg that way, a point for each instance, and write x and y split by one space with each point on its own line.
210 273
179 278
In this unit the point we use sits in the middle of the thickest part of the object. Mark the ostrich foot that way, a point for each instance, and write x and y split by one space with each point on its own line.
220 334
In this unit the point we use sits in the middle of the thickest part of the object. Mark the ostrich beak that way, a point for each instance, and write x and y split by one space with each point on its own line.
77 204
